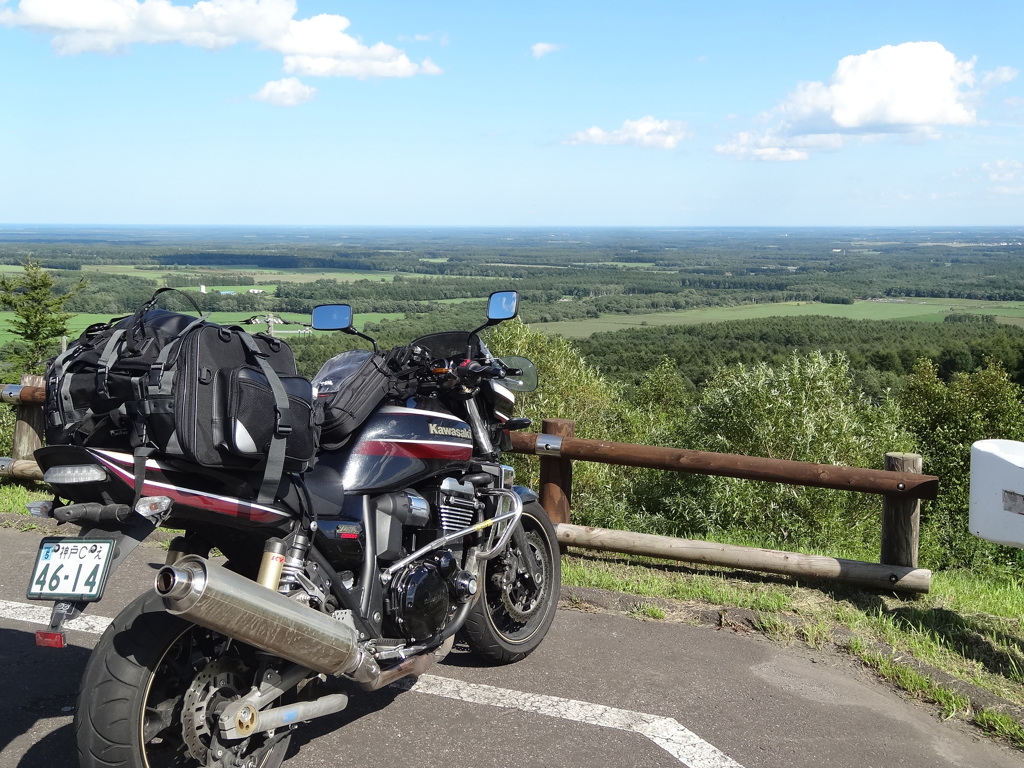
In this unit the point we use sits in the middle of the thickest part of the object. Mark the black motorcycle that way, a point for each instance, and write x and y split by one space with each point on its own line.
406 534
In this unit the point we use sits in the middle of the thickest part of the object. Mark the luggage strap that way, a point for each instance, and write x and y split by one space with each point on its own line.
282 423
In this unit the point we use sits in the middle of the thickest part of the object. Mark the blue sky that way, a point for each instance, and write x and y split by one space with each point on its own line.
534 113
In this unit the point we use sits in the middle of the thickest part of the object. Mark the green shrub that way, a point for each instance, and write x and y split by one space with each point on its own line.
570 388
8 417
803 410
946 419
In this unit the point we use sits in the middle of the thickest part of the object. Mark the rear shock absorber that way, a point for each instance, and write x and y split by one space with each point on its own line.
272 565
294 559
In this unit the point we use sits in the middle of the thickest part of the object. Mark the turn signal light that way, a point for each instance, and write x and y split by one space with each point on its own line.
151 506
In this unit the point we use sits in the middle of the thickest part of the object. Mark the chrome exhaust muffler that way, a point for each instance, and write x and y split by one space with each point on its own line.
233 605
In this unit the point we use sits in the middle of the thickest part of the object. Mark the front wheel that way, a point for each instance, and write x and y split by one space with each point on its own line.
151 690
514 612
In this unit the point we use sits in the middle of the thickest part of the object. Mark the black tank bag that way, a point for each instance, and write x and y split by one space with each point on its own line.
350 386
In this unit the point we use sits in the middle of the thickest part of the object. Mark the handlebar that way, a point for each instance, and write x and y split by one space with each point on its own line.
448 373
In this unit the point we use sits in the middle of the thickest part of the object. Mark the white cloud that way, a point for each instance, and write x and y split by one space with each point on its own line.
910 89
78 26
1004 170
998 76
774 146
319 45
896 86
289 92
765 147
646 132
1003 173
441 38
543 49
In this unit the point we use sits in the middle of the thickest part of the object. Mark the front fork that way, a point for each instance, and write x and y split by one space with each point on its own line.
526 565
486 448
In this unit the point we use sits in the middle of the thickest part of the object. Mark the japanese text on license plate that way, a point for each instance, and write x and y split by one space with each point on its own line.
70 569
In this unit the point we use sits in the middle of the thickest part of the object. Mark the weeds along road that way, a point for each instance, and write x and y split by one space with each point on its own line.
603 690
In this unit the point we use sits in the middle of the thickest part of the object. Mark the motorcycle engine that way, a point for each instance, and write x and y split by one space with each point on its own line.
420 602
423 594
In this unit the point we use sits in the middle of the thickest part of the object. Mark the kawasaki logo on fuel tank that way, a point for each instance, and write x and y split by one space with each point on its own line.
437 429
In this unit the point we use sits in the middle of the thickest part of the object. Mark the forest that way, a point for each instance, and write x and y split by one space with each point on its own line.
565 274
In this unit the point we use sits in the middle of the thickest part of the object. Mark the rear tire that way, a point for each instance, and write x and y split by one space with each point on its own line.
512 615
132 703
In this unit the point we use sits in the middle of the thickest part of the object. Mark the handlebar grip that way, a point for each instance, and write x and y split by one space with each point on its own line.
492 372
470 369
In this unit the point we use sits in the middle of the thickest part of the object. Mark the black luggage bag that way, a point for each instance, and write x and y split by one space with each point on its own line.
224 398
167 384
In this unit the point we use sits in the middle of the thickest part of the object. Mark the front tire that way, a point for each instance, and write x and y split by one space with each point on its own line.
150 689
513 614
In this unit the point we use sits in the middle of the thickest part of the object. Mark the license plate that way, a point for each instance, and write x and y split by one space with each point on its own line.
70 569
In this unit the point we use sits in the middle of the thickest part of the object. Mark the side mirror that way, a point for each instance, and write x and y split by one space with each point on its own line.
332 317
502 305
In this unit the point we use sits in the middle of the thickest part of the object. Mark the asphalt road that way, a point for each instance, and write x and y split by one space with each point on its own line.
603 690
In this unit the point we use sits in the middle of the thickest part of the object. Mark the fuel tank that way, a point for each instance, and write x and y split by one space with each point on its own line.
397 447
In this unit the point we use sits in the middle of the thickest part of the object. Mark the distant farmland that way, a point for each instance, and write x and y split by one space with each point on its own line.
918 310
79 323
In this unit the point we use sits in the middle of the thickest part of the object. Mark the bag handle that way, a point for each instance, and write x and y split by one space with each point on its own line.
138 319
153 299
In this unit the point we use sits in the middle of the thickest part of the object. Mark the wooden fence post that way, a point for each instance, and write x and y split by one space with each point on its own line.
28 429
556 473
901 517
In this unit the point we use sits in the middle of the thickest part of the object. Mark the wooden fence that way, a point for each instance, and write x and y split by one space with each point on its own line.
901 485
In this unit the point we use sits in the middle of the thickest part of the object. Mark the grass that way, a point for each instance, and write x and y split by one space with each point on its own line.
970 627
647 611
916 684
966 634
15 495
1001 725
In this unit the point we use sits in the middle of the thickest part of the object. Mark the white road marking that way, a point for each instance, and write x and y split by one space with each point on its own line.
683 744
39 613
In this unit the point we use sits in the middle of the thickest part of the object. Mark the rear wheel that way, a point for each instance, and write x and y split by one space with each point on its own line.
514 612
151 692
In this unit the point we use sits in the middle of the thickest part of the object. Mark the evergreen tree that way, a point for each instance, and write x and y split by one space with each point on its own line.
39 316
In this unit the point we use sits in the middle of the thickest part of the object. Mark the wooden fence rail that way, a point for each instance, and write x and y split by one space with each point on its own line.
901 485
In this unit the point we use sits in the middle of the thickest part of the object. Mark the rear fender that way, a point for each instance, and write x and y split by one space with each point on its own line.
127 536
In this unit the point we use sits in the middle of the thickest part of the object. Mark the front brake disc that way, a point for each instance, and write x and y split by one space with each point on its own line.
519 600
